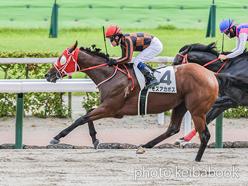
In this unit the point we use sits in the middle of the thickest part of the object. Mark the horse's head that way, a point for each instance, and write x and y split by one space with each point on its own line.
181 57
65 64
196 53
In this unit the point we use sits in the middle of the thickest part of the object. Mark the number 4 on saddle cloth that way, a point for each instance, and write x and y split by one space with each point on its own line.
165 75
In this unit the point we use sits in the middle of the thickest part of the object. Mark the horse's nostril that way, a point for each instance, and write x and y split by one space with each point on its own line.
46 75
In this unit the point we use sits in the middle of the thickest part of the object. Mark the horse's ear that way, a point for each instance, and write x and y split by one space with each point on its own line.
73 47
188 50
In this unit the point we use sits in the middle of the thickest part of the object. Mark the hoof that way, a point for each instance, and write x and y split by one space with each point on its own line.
54 142
179 141
140 150
96 144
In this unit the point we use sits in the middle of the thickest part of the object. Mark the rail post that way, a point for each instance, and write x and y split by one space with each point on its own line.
211 21
53 32
19 121
69 98
187 124
219 131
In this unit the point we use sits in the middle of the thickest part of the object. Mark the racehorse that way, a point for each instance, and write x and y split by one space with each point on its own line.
207 56
197 90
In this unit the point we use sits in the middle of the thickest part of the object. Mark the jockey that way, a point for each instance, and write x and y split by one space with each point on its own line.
228 27
148 45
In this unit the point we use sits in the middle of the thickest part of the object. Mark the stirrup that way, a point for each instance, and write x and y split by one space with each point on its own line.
151 84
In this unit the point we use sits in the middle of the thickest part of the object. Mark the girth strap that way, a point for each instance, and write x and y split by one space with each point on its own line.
143 102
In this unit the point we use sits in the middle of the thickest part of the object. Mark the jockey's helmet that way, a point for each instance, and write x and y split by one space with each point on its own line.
112 31
226 24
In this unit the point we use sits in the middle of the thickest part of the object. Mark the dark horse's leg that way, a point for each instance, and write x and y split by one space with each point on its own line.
82 120
221 104
93 132
174 127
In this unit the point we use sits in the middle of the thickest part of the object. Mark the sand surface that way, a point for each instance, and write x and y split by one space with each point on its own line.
123 167
117 167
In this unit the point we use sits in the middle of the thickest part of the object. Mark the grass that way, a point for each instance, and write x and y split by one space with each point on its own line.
173 39
12 39
37 39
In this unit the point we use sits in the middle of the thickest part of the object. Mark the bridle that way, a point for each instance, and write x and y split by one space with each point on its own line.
185 60
72 58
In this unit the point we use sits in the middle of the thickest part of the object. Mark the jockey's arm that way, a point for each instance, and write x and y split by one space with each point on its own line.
127 54
123 53
240 48
237 45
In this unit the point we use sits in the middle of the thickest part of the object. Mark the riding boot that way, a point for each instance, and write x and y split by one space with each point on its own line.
151 81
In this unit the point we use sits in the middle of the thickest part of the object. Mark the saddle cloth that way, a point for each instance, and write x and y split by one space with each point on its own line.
166 77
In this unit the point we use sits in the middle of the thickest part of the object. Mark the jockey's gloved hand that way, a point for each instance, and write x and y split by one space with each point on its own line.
112 62
222 57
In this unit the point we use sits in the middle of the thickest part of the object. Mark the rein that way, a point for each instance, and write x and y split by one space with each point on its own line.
185 60
116 68
127 73
214 61
64 66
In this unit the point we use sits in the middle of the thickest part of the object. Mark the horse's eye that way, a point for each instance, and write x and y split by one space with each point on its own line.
62 60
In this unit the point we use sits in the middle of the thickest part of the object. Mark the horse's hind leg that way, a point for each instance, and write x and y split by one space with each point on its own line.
220 105
201 127
174 127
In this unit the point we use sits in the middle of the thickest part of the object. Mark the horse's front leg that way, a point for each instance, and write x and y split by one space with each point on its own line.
89 117
174 127
80 121
93 132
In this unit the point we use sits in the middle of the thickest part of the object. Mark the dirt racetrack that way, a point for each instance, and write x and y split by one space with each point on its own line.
76 167
122 167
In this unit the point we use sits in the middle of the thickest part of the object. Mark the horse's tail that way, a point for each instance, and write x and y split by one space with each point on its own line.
226 81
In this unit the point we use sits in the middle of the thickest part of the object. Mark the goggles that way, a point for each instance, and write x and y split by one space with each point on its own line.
227 32
110 41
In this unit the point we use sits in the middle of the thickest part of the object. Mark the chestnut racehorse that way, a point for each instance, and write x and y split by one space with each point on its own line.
197 90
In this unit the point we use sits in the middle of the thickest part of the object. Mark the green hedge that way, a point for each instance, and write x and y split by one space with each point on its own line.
45 104
39 104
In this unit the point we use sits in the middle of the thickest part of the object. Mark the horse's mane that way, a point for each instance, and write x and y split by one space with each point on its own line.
96 51
211 48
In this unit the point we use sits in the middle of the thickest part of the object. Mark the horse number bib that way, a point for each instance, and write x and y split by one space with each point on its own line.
166 77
